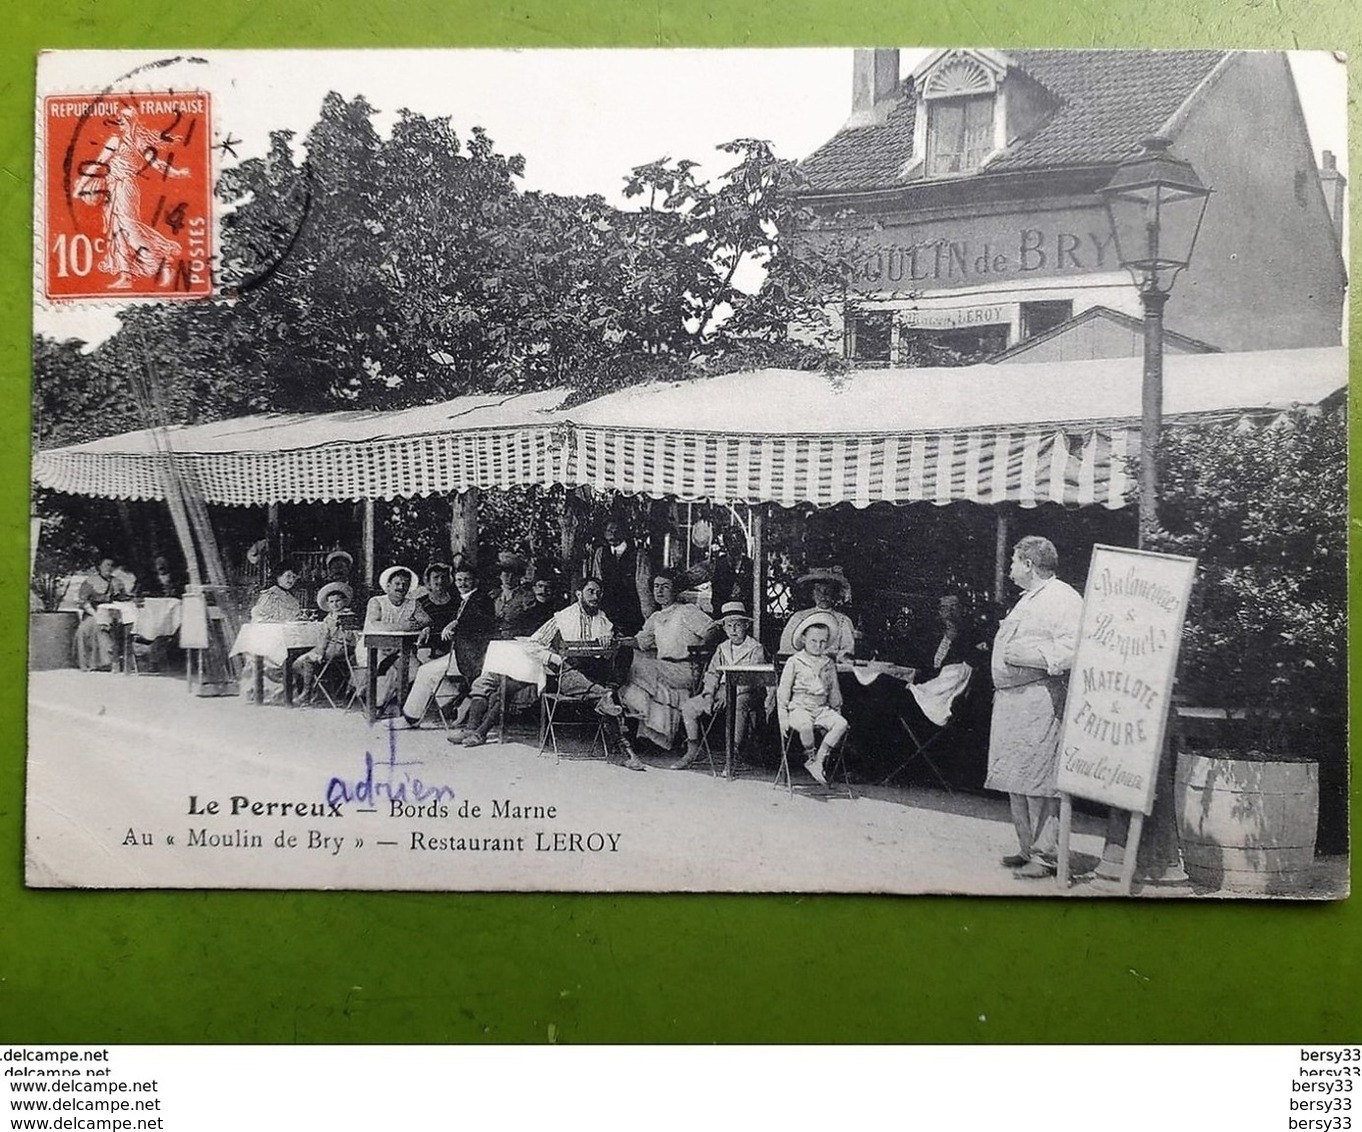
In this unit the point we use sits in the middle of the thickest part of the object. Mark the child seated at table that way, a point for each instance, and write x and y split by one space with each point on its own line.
738 649
334 600
809 697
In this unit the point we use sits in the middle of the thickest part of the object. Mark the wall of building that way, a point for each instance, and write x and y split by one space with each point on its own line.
1267 272
1097 338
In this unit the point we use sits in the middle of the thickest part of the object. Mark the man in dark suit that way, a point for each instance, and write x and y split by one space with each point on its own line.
959 642
467 636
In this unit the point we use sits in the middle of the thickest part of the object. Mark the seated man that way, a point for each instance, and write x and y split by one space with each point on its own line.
829 586
739 648
393 611
661 676
441 606
484 695
466 637
808 696
512 597
584 622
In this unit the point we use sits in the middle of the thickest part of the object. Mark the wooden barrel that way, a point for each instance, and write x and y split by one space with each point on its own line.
1246 826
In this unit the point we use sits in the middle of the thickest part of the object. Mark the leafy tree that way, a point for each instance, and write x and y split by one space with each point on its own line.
381 273
1264 510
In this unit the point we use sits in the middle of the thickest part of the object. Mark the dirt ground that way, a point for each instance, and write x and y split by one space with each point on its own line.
133 782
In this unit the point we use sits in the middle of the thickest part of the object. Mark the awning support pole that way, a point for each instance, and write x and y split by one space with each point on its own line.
758 567
1000 557
367 537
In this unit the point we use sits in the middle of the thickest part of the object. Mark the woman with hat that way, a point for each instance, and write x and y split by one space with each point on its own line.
660 675
829 586
737 649
276 604
394 611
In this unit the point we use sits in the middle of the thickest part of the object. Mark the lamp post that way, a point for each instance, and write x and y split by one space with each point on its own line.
1156 202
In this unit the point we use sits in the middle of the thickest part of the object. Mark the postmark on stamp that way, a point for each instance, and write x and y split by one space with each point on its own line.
128 196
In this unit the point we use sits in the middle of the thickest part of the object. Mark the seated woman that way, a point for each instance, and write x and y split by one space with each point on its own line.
739 649
274 605
94 643
661 674
829 587
394 611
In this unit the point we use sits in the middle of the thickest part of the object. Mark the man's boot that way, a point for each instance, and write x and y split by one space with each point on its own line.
474 711
688 759
480 719
628 756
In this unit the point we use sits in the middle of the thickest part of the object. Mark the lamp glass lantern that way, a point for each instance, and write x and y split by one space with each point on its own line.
1156 202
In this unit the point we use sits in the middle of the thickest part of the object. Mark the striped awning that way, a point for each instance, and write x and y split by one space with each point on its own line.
995 466
437 449
1061 433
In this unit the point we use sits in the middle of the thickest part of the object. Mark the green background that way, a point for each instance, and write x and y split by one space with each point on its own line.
321 967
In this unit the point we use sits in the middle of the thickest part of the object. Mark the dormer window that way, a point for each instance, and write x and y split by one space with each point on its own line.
959 134
959 96
961 113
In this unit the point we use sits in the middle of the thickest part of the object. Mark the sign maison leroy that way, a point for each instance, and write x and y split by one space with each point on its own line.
990 249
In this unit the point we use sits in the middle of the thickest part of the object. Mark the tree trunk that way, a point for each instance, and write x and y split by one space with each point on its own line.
463 526
571 513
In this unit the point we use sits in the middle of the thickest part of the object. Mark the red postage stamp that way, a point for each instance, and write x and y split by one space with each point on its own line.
128 196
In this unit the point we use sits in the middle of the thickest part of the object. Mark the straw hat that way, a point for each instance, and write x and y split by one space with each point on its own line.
734 610
349 558
390 571
825 574
335 588
820 618
510 560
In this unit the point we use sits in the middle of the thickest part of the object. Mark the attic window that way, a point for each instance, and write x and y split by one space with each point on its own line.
959 134
958 111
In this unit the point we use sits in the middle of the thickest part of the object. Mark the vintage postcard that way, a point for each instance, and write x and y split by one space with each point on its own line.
881 470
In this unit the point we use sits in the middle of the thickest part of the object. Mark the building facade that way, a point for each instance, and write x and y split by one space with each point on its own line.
980 175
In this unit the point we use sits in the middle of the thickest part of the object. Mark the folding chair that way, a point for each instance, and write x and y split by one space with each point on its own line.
555 712
925 736
347 694
838 763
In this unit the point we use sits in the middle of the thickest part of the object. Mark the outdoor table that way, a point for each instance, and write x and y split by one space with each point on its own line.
372 640
513 659
867 672
148 618
735 676
119 617
279 642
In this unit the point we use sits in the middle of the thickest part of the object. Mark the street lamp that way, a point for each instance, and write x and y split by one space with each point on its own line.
1156 202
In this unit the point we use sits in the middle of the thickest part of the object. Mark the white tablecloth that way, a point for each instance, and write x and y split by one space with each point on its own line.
513 659
273 639
155 617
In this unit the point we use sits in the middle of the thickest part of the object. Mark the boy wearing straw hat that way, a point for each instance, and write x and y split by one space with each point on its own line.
737 649
334 600
808 695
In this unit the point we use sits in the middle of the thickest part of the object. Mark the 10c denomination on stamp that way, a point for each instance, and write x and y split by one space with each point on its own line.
128 190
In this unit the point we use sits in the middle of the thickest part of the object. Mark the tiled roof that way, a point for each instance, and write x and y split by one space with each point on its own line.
1108 102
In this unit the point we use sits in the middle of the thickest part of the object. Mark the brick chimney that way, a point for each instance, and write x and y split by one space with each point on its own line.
1334 185
874 85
